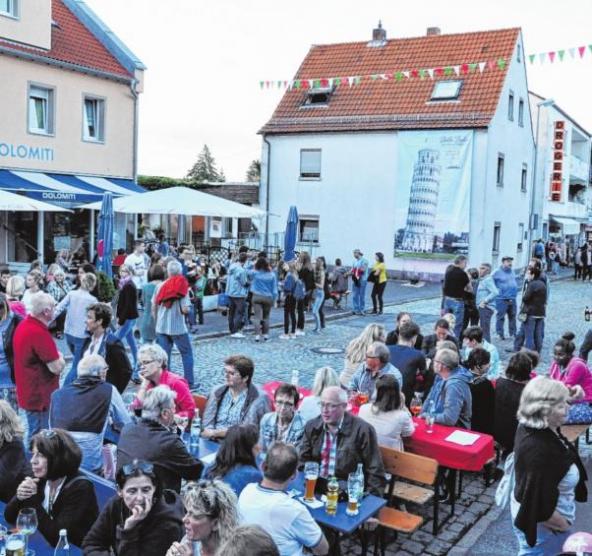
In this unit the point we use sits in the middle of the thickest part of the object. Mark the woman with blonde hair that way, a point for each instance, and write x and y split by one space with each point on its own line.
34 283
310 407
58 288
8 324
355 354
211 517
15 288
548 473
13 462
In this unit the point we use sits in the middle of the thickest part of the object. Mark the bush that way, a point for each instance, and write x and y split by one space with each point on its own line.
106 287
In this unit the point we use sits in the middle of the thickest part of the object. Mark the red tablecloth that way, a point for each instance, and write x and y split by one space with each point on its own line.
449 454
271 387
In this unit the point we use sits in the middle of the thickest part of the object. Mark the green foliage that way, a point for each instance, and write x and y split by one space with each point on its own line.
205 168
106 287
254 171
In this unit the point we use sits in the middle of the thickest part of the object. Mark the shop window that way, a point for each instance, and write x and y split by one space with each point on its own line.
500 170
41 110
310 164
309 229
9 8
93 119
21 236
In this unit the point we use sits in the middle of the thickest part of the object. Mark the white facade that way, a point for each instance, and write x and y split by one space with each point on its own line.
354 197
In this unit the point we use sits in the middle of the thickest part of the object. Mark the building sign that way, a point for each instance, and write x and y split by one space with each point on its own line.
26 152
433 195
557 173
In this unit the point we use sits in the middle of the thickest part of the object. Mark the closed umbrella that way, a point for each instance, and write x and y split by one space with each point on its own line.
291 234
181 229
105 245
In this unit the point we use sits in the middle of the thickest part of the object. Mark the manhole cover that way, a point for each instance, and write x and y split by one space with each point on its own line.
327 350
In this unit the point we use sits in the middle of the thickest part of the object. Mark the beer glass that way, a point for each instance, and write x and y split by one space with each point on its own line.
354 493
311 474
15 545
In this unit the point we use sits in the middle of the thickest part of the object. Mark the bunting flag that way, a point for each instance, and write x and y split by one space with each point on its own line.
559 54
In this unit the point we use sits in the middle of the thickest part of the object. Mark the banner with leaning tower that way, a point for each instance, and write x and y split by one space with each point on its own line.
433 196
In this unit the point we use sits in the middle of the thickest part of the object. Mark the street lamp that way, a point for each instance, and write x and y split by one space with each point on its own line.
546 102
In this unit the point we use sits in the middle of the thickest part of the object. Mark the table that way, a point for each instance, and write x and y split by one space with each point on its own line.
270 387
37 541
205 448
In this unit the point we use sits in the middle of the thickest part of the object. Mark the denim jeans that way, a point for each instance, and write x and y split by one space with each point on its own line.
184 346
485 314
503 307
262 307
36 421
547 543
458 310
359 296
319 296
534 332
127 332
236 308
75 344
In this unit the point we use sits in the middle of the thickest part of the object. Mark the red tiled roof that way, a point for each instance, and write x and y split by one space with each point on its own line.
73 43
387 105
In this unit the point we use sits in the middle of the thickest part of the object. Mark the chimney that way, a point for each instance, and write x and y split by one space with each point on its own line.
433 31
378 36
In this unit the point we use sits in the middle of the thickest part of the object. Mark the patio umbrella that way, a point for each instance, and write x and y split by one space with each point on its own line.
105 244
291 234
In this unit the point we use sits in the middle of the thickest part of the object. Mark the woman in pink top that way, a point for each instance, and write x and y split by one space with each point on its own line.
573 372
15 288
152 360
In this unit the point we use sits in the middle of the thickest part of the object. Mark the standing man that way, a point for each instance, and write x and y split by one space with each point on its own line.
170 304
359 273
456 282
4 276
139 261
486 294
37 363
505 302
237 289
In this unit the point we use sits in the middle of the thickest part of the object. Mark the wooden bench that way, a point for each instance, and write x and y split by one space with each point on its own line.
411 467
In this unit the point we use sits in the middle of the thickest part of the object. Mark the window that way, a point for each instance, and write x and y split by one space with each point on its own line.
41 110
497 232
318 96
523 178
309 229
521 237
446 90
511 106
519 54
9 7
93 119
310 164
521 113
500 170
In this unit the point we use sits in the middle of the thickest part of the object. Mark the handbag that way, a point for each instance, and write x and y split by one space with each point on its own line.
223 300
522 315
504 489
372 277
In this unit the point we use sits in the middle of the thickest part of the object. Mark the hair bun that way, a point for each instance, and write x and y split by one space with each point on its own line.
569 336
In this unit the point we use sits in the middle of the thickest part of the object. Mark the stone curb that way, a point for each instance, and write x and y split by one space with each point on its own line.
465 544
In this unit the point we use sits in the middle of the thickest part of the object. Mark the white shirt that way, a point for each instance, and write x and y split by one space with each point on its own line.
287 521
138 263
93 347
390 426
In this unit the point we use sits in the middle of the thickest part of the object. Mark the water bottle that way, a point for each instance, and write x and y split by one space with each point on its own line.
63 546
195 432
295 377
430 416
360 474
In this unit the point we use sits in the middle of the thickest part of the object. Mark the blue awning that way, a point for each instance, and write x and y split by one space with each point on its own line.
64 190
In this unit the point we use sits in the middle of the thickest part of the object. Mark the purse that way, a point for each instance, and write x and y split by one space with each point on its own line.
372 277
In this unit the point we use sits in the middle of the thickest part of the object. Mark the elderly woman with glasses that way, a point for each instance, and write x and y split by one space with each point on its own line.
62 497
549 475
140 519
211 517
152 362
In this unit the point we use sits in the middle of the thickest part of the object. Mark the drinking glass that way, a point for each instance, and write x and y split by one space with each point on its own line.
354 493
311 474
26 523
128 399
429 419
3 535
415 406
15 545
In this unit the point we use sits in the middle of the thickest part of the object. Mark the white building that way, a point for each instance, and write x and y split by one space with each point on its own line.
563 195
357 161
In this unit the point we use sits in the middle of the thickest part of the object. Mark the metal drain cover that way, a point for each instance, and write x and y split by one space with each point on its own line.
327 350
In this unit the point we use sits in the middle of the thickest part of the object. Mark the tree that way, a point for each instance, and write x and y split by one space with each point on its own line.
205 168
254 171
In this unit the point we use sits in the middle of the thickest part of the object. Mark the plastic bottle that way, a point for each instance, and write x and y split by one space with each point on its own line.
195 432
63 546
360 474
332 496
295 377
430 414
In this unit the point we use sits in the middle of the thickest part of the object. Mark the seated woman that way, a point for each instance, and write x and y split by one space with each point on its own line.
236 460
249 539
62 496
152 360
140 519
310 407
575 374
388 414
210 519
355 353
13 462
482 391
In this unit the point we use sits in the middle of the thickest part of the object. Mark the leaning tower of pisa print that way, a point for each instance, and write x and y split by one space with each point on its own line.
418 235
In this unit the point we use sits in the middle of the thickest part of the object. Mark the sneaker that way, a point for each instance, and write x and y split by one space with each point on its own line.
292 336
257 338
300 333
237 335
265 337
284 337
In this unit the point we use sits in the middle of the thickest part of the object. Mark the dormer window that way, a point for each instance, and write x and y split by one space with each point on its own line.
446 90
318 96
9 8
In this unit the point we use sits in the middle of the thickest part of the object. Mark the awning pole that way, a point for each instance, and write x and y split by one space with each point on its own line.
91 239
40 236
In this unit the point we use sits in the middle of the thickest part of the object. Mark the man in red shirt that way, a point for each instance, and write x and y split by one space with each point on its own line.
37 362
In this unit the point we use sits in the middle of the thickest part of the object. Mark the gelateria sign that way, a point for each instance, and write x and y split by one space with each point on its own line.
25 152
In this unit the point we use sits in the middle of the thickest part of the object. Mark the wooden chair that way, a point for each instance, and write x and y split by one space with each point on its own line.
403 465
200 403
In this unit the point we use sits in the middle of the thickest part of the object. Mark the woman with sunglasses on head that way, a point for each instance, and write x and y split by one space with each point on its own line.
62 497
140 519
211 516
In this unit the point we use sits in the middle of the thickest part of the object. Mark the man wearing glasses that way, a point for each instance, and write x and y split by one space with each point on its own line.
285 423
376 365
338 441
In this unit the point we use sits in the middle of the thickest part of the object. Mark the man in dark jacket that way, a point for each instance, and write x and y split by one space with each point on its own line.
338 441
151 439
532 311
441 333
102 342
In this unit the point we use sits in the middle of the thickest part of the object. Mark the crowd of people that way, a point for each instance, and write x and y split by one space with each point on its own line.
83 419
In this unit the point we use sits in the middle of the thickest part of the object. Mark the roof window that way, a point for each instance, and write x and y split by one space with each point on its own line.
318 96
446 90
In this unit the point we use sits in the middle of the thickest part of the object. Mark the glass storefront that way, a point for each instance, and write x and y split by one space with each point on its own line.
21 236
65 230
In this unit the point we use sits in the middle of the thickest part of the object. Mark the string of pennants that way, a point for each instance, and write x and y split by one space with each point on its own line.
352 80
575 53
